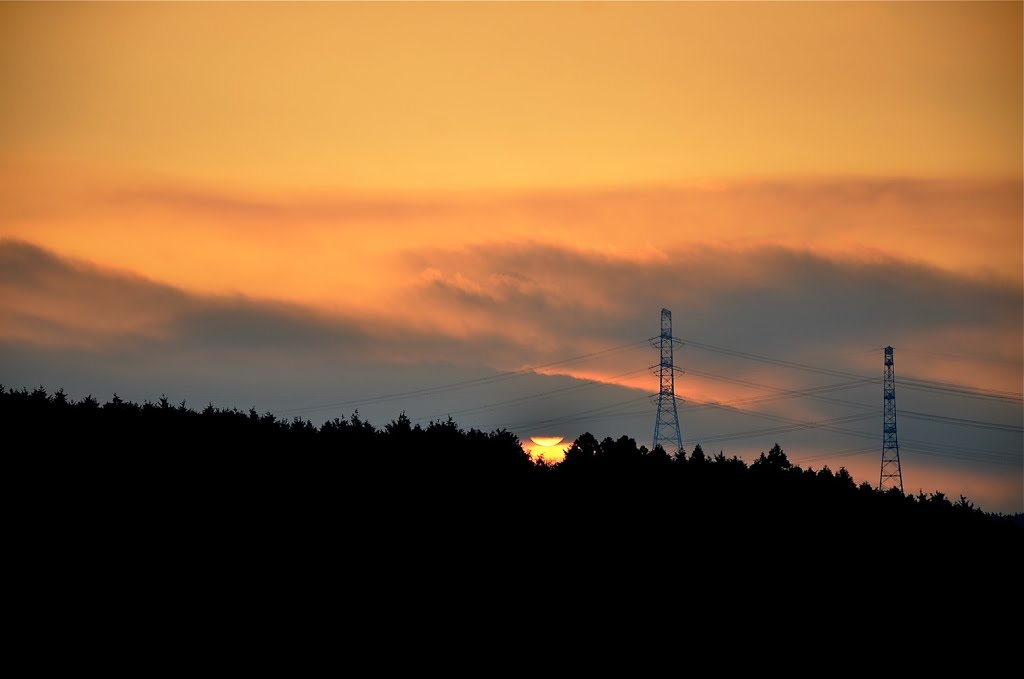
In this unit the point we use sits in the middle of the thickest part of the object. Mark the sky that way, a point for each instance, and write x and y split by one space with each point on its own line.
479 210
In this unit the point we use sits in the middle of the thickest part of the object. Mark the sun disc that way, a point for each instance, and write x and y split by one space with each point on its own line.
546 441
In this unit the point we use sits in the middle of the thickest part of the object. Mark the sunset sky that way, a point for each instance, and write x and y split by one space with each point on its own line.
479 209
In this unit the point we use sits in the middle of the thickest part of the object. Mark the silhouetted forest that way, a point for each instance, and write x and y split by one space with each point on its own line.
228 474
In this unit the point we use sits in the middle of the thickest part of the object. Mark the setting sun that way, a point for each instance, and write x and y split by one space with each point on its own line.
550 448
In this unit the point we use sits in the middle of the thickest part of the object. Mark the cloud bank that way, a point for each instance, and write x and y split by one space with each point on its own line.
72 324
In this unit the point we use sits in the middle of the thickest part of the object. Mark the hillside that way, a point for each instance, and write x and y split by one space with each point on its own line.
160 465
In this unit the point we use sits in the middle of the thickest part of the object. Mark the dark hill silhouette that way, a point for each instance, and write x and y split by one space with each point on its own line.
114 475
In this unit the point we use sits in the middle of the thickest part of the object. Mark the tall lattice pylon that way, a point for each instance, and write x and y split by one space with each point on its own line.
667 433
891 475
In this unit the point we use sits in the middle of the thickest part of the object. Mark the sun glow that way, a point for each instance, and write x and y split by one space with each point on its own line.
550 448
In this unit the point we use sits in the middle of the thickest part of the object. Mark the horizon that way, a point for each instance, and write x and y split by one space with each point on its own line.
479 209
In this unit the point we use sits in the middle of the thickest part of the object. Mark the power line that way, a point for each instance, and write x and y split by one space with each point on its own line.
966 458
854 380
958 449
960 452
815 392
817 457
773 361
851 380
780 418
572 417
718 438
452 386
588 384
960 390
963 422
909 382
948 355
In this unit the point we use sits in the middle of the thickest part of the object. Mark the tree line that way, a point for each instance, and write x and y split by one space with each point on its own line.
443 478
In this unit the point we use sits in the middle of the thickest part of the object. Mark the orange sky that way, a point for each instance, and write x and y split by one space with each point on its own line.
500 175
257 96
133 132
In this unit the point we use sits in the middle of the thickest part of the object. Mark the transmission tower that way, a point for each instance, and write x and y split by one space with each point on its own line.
667 433
891 475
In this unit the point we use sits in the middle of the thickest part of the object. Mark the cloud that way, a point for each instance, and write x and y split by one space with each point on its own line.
787 300
498 309
788 304
539 301
92 330
529 303
331 208
62 302
305 247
